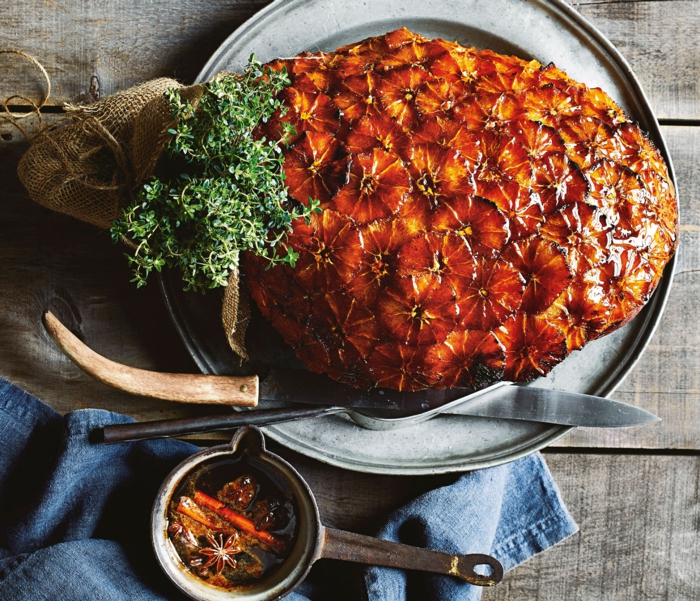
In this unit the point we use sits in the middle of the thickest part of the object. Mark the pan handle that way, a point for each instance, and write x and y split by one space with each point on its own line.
347 546
184 388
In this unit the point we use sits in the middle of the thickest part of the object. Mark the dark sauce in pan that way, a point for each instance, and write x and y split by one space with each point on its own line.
232 522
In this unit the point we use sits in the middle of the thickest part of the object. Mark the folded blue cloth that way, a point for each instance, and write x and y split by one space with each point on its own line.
74 516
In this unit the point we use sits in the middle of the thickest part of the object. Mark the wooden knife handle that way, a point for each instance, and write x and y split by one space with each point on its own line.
348 546
184 388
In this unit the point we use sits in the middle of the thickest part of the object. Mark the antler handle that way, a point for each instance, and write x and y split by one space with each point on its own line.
183 388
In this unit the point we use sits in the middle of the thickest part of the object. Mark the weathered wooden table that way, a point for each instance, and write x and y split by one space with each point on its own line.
634 492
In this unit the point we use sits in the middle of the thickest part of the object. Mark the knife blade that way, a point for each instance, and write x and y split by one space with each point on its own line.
501 400
530 403
297 386
505 401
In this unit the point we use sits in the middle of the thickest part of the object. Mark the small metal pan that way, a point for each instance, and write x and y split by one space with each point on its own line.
313 541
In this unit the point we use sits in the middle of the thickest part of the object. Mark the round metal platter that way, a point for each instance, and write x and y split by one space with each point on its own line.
546 30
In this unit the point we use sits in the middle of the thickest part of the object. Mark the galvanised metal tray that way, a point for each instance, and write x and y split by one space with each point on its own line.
546 30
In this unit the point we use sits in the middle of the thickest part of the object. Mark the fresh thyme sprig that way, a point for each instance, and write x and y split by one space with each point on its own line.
222 191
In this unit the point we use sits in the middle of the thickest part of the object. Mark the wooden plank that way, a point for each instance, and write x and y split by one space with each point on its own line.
50 260
12 137
94 48
637 515
658 39
638 536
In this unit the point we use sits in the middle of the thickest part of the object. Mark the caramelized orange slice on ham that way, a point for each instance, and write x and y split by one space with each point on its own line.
482 215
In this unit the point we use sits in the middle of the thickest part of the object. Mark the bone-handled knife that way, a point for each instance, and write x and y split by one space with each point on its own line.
501 401
400 409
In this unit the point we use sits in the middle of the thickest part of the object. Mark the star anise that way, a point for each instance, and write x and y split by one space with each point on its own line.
221 552
178 529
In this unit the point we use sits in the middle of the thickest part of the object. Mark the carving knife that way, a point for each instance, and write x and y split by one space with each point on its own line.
394 409
502 401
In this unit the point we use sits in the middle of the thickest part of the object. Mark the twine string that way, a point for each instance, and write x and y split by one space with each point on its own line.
90 125
36 108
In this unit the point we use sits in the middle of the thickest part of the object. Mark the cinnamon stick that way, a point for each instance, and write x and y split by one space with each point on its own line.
240 521
189 508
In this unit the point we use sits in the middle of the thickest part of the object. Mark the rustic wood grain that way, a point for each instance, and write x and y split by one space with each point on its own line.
638 539
13 141
92 49
52 261
659 40
637 514
355 501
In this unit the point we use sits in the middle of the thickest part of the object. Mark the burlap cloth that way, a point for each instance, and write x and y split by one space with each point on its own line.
91 164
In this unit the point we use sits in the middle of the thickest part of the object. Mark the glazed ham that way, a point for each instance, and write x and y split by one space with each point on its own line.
482 216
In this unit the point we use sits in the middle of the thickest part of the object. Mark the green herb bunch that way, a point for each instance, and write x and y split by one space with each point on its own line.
221 191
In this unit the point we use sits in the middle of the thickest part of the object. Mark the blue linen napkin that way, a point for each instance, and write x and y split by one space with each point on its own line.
74 516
